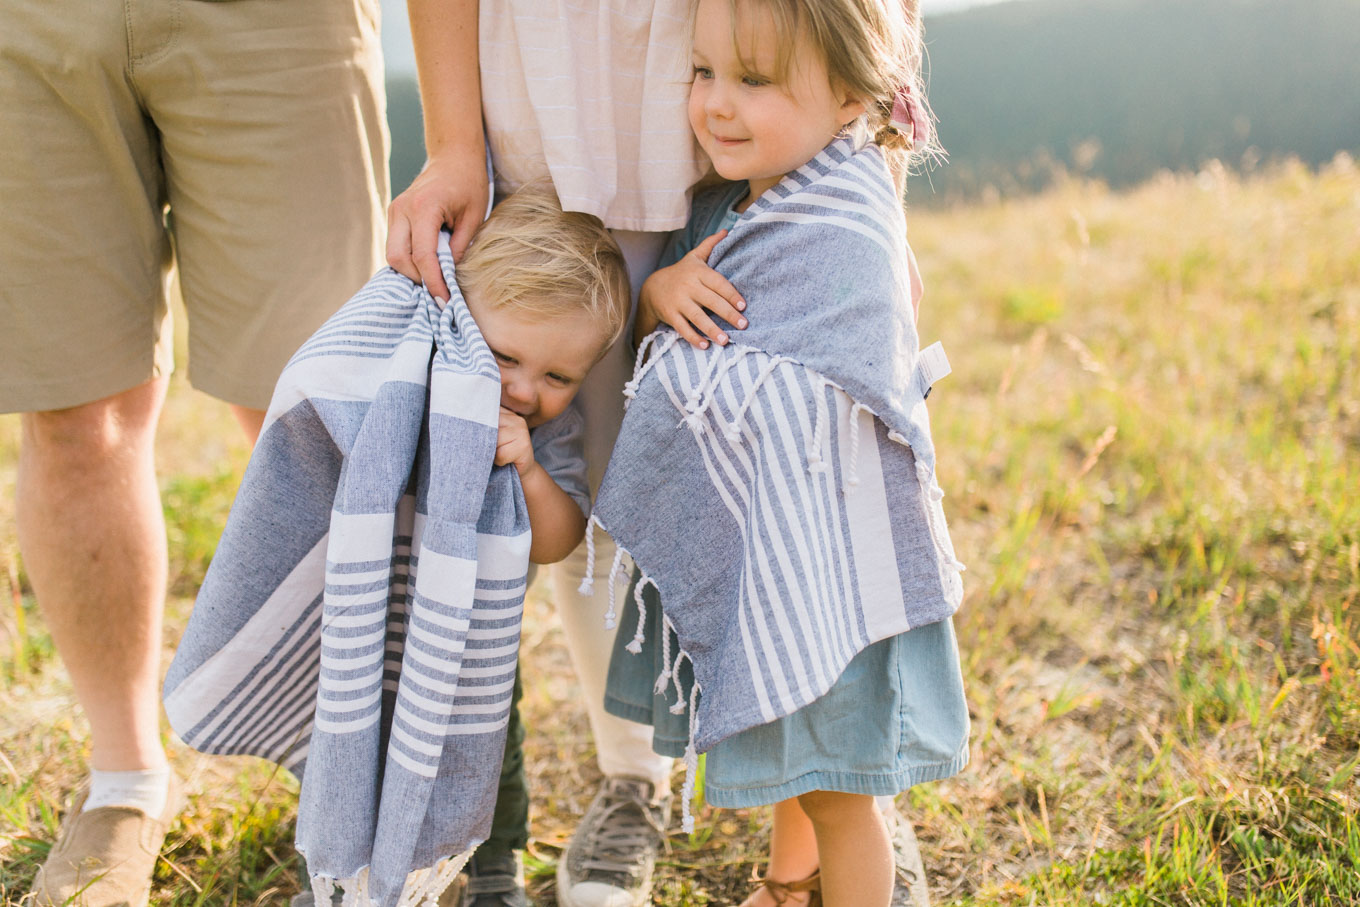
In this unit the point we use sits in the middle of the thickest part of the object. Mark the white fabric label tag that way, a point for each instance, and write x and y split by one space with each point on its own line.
933 364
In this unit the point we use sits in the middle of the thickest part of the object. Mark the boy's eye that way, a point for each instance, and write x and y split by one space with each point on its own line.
501 357
559 379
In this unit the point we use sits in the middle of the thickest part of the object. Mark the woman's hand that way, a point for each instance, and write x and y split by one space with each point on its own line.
683 296
451 190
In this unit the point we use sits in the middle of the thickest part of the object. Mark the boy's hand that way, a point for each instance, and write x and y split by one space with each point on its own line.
684 294
513 444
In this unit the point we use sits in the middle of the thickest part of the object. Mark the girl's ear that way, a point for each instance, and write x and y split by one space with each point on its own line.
852 108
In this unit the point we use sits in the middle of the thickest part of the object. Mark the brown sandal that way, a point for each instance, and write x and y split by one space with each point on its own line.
781 891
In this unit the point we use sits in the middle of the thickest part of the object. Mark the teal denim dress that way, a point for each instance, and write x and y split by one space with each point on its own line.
895 718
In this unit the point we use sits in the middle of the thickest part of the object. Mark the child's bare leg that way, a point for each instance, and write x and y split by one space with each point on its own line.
852 841
793 853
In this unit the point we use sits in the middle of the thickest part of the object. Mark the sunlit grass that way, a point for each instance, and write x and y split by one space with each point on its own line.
1151 444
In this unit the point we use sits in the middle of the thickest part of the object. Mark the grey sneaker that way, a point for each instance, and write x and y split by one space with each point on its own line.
909 881
610 859
489 881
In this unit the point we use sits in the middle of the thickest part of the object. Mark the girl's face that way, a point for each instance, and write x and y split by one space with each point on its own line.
753 124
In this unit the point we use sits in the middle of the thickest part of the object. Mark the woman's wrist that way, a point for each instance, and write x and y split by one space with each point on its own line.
458 144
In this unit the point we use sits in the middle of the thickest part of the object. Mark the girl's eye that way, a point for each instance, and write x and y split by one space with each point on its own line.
754 81
703 73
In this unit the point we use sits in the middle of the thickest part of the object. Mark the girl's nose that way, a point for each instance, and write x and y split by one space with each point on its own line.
716 103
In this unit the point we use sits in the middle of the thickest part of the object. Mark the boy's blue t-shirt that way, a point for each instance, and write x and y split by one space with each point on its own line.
559 447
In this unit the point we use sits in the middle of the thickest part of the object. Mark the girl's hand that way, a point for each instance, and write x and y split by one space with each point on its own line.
452 191
684 294
513 444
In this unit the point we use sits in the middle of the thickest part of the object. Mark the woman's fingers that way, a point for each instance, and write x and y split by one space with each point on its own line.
425 253
399 245
469 219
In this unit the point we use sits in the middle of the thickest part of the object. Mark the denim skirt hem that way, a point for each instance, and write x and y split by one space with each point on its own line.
879 785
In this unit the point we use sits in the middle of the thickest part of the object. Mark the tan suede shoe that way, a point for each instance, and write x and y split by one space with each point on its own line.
104 857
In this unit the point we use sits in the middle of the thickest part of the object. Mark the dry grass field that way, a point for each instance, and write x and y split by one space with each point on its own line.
1151 442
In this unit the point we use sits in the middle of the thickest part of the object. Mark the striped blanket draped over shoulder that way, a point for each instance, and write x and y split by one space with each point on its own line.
791 515
360 621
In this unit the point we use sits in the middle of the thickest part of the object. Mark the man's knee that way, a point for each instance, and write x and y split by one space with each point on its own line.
113 426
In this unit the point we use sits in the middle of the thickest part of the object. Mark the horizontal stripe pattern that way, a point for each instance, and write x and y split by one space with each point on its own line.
388 651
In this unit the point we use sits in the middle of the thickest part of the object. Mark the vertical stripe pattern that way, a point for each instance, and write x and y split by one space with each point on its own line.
793 515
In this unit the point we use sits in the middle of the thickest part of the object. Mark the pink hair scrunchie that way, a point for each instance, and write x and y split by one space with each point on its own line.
909 115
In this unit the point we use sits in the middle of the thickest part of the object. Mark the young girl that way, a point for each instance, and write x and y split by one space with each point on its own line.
789 525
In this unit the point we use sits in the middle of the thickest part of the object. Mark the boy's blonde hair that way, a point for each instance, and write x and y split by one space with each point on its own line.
872 49
533 256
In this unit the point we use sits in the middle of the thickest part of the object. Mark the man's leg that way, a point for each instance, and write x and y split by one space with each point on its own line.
250 420
93 540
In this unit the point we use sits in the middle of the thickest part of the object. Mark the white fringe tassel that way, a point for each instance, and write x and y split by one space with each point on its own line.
733 429
929 487
640 636
815 462
422 888
664 678
611 617
678 708
659 348
691 763
587 587
852 469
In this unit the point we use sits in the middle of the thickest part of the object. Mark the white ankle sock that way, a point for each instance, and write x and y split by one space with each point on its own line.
145 790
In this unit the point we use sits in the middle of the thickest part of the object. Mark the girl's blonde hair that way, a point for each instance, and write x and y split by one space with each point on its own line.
873 50
533 256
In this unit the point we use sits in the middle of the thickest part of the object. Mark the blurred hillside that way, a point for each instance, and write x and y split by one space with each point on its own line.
1114 89
1119 89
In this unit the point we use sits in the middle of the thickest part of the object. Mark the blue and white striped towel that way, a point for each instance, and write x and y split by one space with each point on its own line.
792 513
361 617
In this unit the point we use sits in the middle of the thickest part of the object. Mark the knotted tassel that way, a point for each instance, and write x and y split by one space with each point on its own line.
710 366
679 707
640 636
691 764
664 678
587 587
611 617
630 389
815 463
733 430
929 487
640 368
852 470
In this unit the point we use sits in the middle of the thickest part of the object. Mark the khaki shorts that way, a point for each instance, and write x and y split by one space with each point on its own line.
242 142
